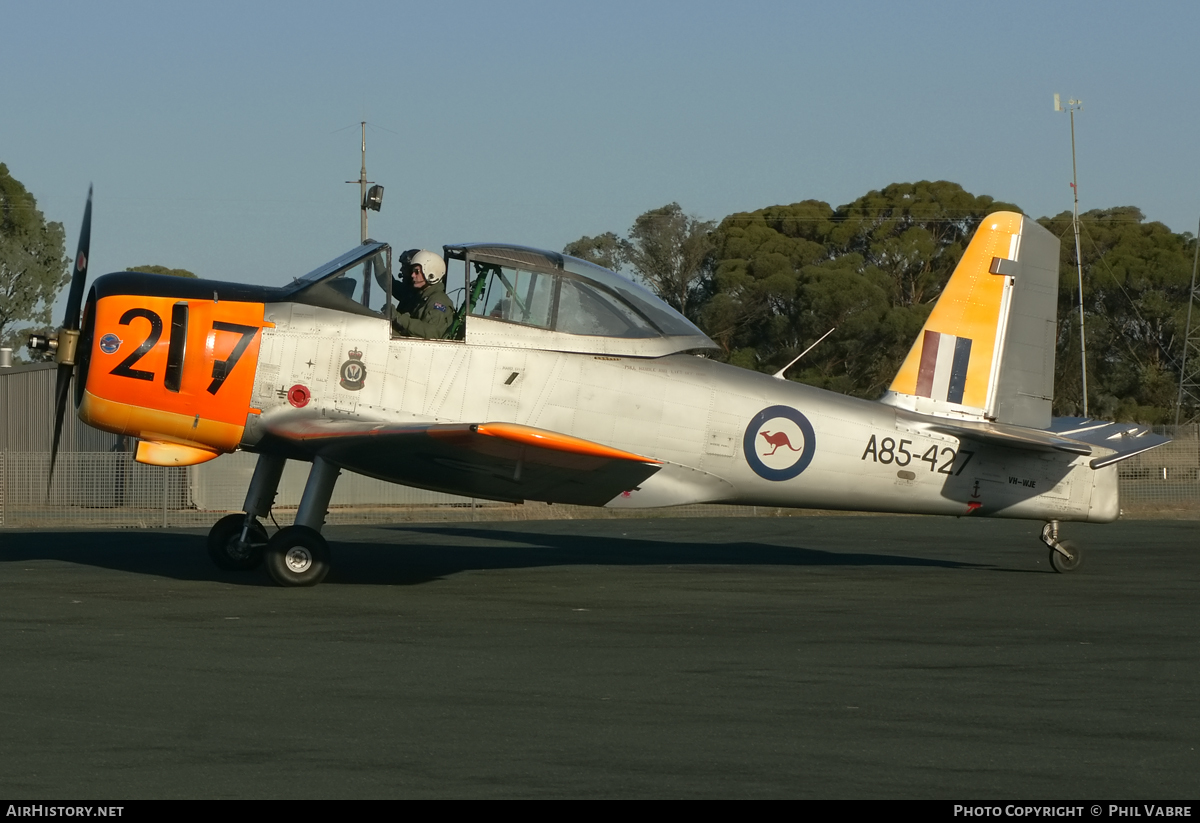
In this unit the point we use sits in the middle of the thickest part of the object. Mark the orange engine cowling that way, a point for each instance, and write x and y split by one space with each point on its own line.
175 372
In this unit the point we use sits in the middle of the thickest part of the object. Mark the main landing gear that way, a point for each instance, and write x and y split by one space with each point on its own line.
1065 556
236 543
297 555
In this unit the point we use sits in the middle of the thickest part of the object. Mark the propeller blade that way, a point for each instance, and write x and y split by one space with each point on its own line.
79 275
71 322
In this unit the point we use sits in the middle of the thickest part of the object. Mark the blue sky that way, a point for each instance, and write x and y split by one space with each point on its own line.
216 133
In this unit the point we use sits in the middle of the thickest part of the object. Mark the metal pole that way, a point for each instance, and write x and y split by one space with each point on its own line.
362 184
1079 266
362 220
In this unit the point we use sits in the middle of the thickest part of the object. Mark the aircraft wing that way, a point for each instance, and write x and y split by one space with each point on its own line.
497 461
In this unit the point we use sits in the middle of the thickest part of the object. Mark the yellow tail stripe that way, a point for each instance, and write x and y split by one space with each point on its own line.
969 307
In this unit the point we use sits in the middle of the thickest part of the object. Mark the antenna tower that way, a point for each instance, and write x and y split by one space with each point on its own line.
1189 380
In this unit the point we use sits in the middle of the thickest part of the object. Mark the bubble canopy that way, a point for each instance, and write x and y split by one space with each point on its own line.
532 298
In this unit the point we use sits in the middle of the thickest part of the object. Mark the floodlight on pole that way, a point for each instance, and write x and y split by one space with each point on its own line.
374 200
1071 107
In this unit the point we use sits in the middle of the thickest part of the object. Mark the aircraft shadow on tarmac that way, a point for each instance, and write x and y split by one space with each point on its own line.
183 556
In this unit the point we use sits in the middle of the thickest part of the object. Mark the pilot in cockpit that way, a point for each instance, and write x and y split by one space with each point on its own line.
423 308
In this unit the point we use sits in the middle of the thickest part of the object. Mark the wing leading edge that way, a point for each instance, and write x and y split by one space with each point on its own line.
497 461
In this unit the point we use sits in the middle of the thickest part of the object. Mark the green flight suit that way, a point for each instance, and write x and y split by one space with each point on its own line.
427 313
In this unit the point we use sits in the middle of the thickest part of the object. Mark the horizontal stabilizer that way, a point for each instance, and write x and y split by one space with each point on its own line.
1125 439
1017 437
1073 435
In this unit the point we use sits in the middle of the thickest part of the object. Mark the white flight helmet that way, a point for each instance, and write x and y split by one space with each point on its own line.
432 265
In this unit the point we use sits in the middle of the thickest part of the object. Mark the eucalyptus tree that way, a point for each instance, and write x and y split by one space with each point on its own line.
33 263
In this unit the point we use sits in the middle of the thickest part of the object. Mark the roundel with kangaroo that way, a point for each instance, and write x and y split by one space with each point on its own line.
779 443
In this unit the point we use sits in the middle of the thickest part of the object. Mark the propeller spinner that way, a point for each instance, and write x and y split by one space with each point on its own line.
65 341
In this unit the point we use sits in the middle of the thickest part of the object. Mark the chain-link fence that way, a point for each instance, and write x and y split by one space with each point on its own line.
1164 482
110 490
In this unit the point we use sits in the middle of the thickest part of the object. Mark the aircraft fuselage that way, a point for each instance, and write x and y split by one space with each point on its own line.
724 434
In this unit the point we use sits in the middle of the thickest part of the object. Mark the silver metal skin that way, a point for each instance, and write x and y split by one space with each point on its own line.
540 401
687 411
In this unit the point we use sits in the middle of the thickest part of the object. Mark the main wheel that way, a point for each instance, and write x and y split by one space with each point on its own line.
297 556
226 548
1063 564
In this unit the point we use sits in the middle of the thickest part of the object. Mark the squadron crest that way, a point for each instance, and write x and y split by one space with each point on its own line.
353 371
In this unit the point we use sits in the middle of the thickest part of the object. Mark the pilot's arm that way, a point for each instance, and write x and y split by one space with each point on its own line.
431 321
381 274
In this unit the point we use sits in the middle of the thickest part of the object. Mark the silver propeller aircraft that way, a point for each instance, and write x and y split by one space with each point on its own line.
563 382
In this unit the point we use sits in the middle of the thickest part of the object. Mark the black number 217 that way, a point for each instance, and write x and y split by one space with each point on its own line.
221 368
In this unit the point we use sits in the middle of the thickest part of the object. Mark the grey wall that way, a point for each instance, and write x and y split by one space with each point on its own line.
27 414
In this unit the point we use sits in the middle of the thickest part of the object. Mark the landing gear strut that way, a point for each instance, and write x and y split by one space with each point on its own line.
297 555
1065 556
236 542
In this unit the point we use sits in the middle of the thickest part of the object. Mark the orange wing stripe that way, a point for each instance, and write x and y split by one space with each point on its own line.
558 442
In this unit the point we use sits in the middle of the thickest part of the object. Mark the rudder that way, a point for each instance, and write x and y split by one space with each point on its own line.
987 350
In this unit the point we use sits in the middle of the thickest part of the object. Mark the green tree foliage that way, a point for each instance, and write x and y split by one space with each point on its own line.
671 252
1136 277
162 270
770 282
872 268
603 250
33 263
915 233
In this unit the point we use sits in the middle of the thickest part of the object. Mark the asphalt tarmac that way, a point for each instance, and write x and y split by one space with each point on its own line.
844 657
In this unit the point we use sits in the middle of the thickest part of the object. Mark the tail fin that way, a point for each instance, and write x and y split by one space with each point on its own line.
987 350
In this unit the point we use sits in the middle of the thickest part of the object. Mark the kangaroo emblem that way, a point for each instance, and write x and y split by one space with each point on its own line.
777 439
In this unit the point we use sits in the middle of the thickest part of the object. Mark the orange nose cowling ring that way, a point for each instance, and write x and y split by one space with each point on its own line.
173 371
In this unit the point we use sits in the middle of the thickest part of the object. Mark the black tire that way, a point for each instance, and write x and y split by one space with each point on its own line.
225 545
1061 564
297 556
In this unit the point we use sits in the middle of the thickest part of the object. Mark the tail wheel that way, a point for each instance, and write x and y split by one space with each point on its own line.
1060 562
297 556
226 548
